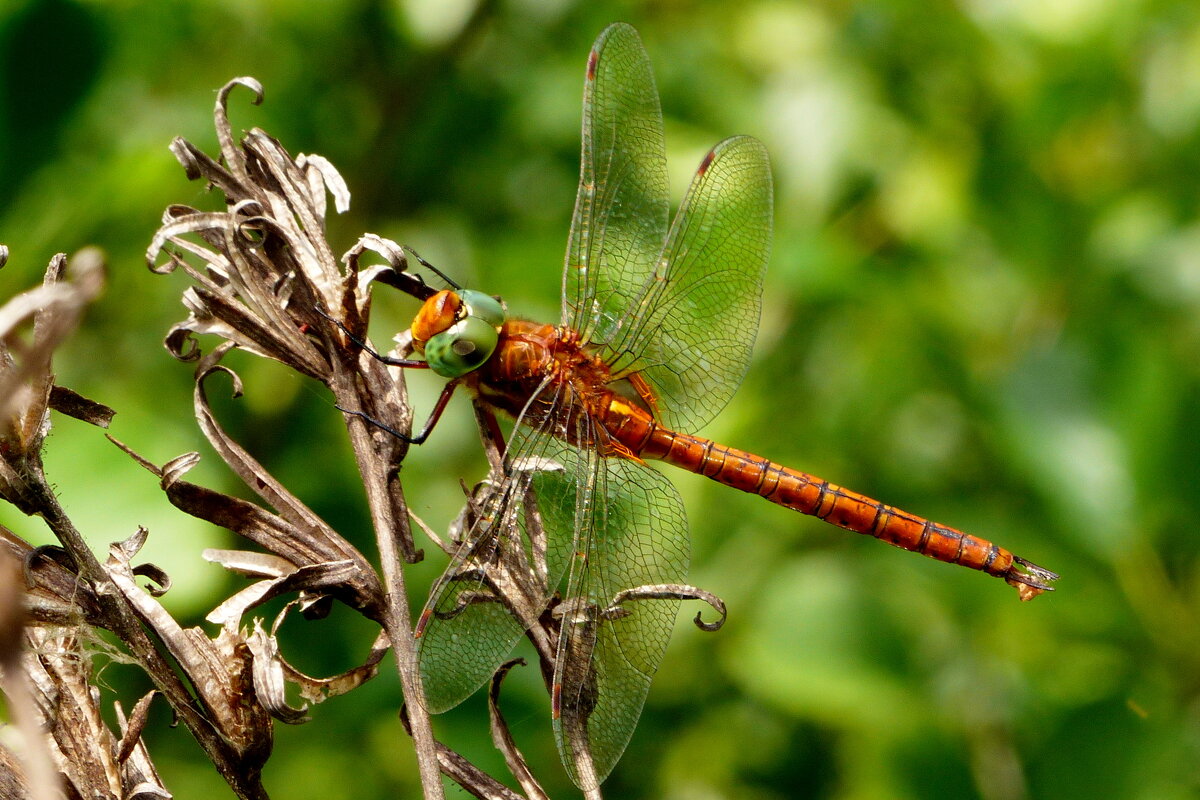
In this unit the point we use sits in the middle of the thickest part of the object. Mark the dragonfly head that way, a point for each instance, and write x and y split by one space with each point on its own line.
458 330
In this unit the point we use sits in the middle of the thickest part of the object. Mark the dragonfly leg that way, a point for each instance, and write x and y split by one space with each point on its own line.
409 363
645 393
420 438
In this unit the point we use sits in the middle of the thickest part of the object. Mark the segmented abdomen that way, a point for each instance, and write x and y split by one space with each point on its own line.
808 494
531 355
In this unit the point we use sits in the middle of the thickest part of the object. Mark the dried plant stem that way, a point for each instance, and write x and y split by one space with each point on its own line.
120 619
397 617
268 283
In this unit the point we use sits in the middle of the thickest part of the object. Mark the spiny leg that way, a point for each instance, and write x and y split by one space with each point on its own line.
406 363
439 407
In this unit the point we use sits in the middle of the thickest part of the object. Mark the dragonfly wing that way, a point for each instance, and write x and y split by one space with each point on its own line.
622 206
632 534
459 654
511 560
690 333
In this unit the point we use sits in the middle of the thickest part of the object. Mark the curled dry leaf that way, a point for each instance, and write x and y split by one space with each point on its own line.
220 669
258 479
322 175
161 580
272 673
673 591
312 579
316 690
26 380
502 738
249 564
394 273
269 681
53 594
137 771
295 539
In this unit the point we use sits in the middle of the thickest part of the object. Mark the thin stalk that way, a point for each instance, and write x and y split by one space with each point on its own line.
397 616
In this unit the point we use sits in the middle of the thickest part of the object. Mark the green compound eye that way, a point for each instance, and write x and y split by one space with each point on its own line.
483 306
461 348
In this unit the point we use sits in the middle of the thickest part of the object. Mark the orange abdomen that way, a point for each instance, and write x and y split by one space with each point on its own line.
808 494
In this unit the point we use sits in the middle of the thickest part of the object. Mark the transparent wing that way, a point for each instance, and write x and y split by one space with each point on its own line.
621 209
504 572
690 331
683 314
618 525
607 656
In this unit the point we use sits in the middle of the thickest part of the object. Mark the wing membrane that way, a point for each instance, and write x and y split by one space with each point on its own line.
638 536
681 308
617 525
502 576
620 219
691 330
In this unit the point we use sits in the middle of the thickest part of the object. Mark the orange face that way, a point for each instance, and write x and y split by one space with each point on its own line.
436 315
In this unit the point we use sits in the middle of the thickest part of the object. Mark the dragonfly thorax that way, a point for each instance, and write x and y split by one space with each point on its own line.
458 331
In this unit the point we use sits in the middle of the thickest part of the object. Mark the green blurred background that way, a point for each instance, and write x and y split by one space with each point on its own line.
983 306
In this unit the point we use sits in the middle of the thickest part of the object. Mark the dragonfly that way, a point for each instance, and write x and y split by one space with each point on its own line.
659 316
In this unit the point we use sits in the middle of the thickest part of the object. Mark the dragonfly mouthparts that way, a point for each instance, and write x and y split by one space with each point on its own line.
1029 579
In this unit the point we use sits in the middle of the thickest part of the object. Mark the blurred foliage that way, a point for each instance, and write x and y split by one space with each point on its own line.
983 306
